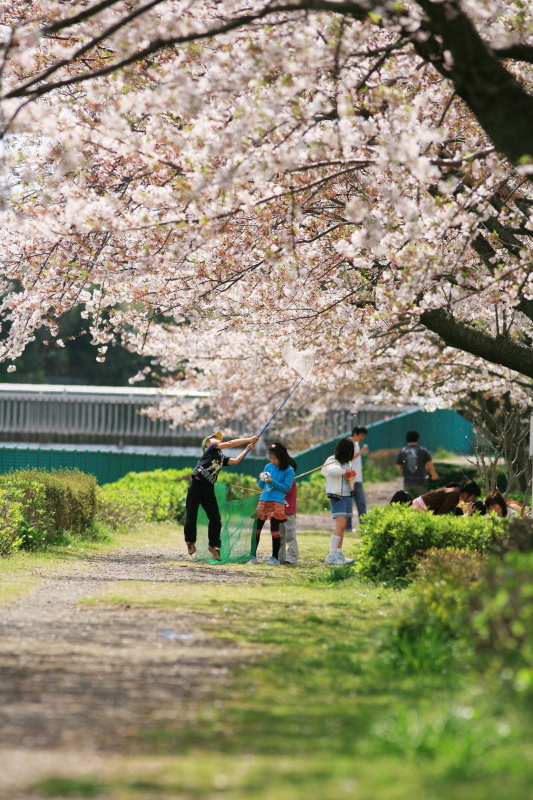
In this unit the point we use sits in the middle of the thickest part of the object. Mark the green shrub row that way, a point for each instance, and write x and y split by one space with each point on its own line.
457 473
393 538
157 496
311 495
470 606
38 507
11 518
375 472
449 472
160 495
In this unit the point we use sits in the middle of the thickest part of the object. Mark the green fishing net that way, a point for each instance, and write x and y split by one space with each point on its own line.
238 528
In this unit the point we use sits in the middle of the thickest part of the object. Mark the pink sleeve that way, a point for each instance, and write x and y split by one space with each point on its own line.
290 500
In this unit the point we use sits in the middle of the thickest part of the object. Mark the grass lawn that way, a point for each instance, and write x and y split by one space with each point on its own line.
320 712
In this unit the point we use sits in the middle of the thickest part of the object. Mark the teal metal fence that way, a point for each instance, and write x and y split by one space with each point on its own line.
443 428
105 465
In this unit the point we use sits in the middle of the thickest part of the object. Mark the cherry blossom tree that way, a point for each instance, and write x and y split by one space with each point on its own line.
210 179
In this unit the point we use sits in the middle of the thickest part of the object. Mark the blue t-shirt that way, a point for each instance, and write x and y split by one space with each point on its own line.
281 483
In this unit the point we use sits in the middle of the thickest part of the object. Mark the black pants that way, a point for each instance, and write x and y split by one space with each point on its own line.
202 493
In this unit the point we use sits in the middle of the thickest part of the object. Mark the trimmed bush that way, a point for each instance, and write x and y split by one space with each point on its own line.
452 473
393 539
445 583
52 503
311 495
158 496
474 606
425 637
119 508
376 472
501 619
154 496
11 517
457 473
238 484
37 525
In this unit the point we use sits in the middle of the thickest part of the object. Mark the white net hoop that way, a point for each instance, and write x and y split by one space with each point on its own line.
302 361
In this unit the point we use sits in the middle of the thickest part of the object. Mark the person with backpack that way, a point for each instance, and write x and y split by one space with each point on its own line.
414 461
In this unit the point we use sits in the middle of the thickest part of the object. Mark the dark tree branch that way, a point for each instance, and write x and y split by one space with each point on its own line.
501 106
516 52
494 96
91 45
497 349
68 22
347 8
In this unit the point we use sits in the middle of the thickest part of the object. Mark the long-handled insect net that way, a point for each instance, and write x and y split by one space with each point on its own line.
302 362
238 516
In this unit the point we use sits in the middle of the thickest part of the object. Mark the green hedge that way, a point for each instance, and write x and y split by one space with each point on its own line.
469 606
157 496
49 503
457 473
501 619
311 495
393 538
11 518
160 495
452 473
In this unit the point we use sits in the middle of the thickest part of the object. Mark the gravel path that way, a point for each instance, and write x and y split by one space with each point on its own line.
80 682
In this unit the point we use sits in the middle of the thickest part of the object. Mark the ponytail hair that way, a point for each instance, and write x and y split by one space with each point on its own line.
280 451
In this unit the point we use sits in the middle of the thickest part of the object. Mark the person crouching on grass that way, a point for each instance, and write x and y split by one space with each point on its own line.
339 473
276 481
444 501
202 489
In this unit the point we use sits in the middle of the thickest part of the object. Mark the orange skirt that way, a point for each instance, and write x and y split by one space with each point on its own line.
269 509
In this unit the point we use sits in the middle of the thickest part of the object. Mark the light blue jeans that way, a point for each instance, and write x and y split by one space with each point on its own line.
360 503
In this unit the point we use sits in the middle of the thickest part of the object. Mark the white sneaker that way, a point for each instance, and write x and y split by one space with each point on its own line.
335 559
345 560
273 562
252 560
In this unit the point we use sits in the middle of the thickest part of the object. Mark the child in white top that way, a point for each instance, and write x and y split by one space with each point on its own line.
340 473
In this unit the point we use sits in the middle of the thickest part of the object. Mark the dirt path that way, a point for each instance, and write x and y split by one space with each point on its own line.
80 681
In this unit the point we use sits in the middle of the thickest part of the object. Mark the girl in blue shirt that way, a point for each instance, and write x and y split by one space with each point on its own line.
275 480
